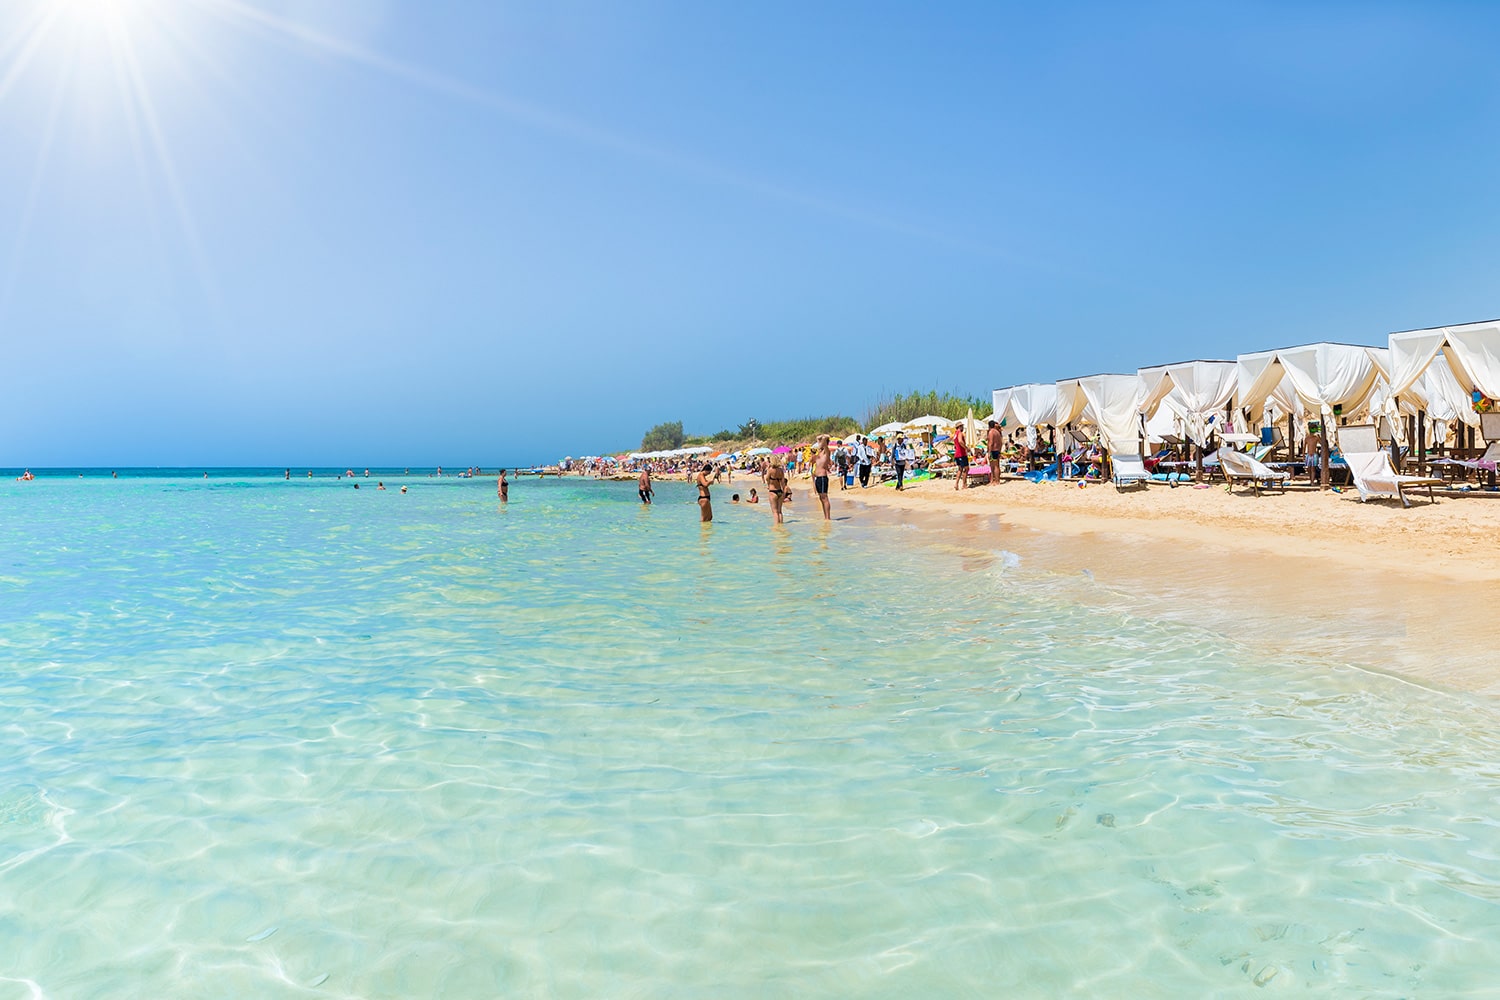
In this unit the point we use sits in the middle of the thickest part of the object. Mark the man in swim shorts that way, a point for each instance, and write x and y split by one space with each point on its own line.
643 486
996 441
820 466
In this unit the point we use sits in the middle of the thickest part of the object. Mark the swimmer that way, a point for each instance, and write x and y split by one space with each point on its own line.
734 498
380 486
403 489
643 486
753 498
503 488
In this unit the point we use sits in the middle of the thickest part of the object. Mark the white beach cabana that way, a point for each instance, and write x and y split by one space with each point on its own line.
1110 403
1192 391
1472 351
1071 406
1326 380
1028 406
1324 377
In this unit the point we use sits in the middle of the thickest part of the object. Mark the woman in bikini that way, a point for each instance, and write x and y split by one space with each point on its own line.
776 487
705 505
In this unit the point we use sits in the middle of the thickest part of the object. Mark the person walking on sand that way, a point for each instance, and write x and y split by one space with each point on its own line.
996 441
705 504
820 463
502 488
960 458
898 459
865 455
643 486
776 487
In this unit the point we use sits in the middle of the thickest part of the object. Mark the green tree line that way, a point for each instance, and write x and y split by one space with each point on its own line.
666 436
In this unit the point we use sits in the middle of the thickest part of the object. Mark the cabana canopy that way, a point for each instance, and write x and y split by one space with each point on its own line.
1116 402
1323 376
1199 389
1072 405
1029 406
1472 351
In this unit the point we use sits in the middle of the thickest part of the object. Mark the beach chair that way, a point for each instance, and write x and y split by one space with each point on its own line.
1242 468
1128 470
1371 469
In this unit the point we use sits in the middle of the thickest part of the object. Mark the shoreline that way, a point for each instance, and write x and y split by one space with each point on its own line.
1406 593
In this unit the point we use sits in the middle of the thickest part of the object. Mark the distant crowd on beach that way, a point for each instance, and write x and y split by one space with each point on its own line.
851 462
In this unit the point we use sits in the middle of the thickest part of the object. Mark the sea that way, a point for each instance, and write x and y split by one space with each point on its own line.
271 738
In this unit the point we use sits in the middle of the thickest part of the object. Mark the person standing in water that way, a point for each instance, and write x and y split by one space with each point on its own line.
820 463
776 487
503 488
643 486
705 504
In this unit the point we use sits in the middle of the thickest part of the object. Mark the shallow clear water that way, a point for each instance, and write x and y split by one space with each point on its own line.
291 739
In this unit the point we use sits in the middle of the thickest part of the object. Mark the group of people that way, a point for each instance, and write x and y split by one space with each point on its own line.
773 474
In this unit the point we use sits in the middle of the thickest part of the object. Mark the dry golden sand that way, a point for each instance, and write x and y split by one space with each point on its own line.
1410 592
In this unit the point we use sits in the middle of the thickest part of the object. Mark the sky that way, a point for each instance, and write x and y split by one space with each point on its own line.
410 232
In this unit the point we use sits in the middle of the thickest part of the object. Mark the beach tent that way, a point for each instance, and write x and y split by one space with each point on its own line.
1322 376
1071 406
1000 400
1027 406
1472 351
1116 402
1197 389
1446 402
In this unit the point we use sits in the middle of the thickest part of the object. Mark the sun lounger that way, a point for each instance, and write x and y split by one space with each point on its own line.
1240 467
1375 477
1128 470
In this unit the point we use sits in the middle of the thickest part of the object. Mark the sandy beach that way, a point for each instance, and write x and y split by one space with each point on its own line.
1407 592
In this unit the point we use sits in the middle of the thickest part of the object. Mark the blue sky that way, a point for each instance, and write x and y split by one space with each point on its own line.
380 232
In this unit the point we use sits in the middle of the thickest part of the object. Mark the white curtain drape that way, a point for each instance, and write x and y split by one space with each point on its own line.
1072 406
1033 405
1116 400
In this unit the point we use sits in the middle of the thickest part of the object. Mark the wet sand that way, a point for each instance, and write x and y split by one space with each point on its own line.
1405 592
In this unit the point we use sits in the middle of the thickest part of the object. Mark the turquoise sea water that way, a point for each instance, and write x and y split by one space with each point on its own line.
290 739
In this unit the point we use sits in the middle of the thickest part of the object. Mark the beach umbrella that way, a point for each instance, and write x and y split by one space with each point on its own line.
890 428
781 450
927 422
758 451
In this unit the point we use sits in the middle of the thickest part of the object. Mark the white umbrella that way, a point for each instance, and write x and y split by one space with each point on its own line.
929 421
890 428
